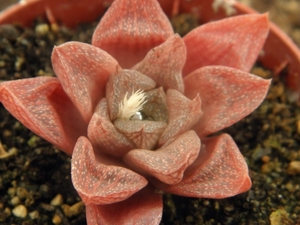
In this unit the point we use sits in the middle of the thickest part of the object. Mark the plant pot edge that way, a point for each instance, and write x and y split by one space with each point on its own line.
280 52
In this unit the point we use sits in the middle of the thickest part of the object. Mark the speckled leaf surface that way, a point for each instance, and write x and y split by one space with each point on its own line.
144 134
234 42
227 96
42 106
164 63
169 162
100 180
143 208
220 171
103 134
83 71
130 29
183 114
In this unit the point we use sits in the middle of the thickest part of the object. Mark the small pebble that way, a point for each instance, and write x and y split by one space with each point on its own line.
294 168
20 211
290 187
56 219
267 167
42 29
280 217
57 200
12 191
34 215
265 159
7 211
73 210
15 200
22 193
19 63
9 31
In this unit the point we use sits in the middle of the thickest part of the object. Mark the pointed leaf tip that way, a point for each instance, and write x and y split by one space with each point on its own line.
169 162
164 63
130 28
227 96
42 106
234 42
101 182
83 71
103 134
183 114
220 171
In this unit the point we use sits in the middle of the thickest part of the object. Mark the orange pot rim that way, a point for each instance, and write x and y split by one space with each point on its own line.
279 51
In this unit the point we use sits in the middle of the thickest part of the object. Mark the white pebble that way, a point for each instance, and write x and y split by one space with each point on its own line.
15 200
20 211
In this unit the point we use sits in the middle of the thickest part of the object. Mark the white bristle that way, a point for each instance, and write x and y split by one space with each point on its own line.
128 107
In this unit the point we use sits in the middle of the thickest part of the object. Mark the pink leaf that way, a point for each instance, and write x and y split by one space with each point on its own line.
233 42
170 161
83 71
42 106
144 133
101 180
103 134
129 29
227 96
164 63
183 114
156 106
143 208
220 171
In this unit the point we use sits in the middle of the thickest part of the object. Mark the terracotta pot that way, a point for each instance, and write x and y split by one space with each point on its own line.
279 51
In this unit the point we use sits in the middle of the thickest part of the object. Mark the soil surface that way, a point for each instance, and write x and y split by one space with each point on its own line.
35 184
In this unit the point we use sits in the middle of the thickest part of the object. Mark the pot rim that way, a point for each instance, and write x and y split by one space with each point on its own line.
279 52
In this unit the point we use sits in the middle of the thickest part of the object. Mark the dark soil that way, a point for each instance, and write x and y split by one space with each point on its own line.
35 178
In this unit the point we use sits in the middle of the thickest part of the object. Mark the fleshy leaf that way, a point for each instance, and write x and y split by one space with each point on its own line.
164 63
170 161
143 133
43 107
83 71
227 96
220 171
233 42
129 29
100 180
103 134
143 208
183 114
156 107
126 81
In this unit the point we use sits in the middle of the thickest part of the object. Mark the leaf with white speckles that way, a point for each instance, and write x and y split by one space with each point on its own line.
130 28
164 63
103 134
169 162
43 107
227 96
102 180
220 171
83 71
143 208
233 42
183 114
144 134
